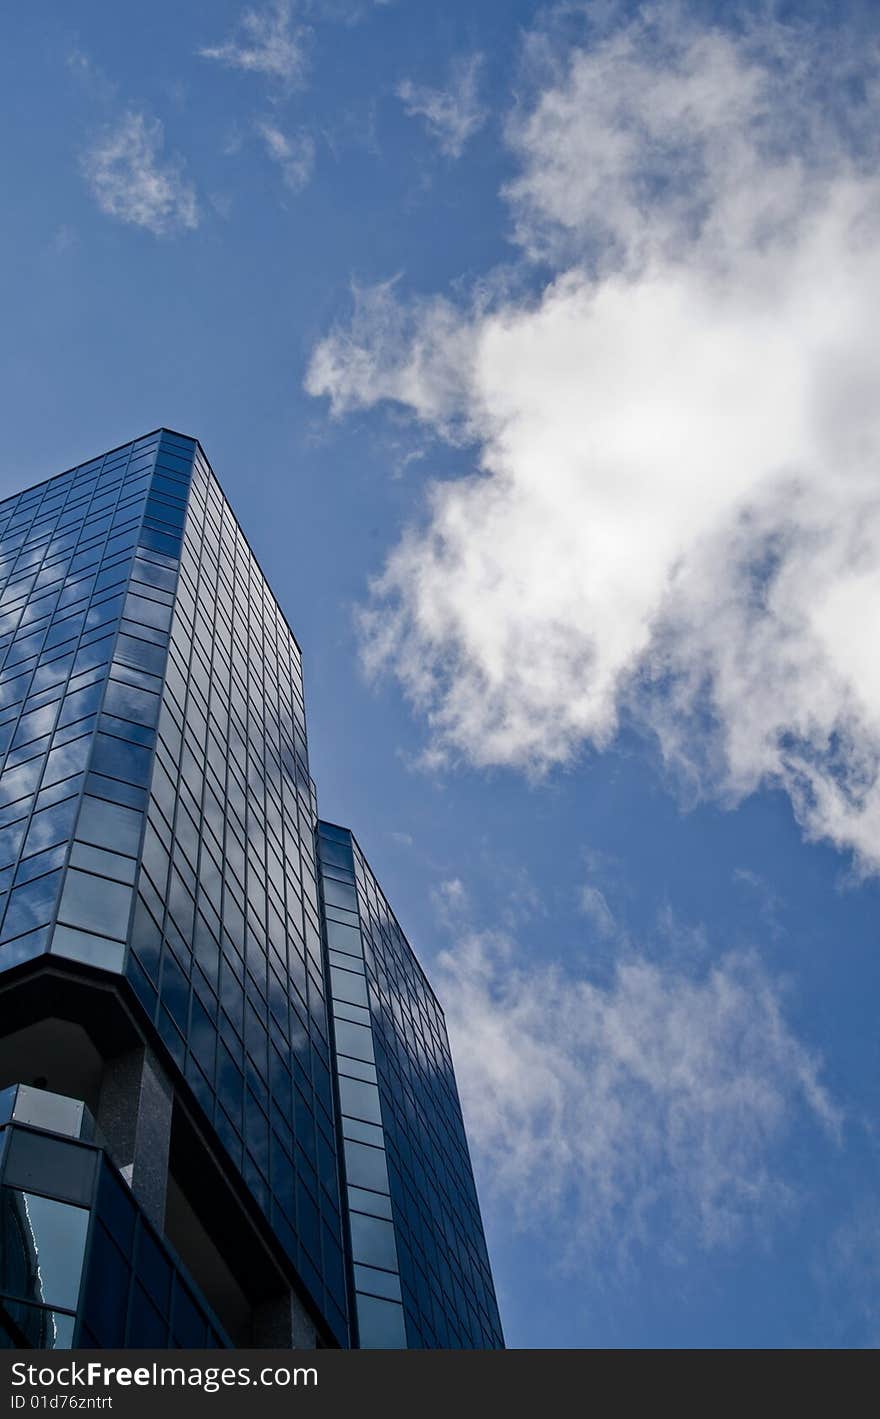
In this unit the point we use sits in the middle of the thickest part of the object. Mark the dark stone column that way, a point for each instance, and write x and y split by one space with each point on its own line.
134 1115
283 1323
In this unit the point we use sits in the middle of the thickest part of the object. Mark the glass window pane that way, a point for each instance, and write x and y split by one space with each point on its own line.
43 1329
99 859
339 894
149 613
377 1204
15 783
132 651
80 703
109 825
344 938
34 725
360 1100
31 905
365 1166
94 904
50 826
129 702
67 760
377 1283
380 1324
11 835
348 986
354 1040
44 1242
119 759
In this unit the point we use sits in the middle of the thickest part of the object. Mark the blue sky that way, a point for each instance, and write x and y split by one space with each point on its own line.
533 346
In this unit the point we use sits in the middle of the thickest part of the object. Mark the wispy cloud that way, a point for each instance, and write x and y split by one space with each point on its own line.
90 75
349 12
64 239
651 1108
450 901
848 1270
674 509
595 908
768 901
602 899
295 156
453 114
269 42
132 181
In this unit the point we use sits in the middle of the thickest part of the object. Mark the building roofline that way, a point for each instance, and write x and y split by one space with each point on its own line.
341 827
191 438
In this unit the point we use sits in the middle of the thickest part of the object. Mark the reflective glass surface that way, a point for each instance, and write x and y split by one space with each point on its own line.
135 1293
67 563
226 952
156 810
92 1272
43 1247
420 1266
157 819
36 1327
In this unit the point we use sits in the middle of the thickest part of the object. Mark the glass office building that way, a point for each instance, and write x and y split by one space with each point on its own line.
228 1115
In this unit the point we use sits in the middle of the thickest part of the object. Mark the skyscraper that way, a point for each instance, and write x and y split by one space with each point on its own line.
229 1115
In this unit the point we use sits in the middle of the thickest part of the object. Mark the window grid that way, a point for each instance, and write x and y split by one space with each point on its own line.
447 1290
77 533
225 943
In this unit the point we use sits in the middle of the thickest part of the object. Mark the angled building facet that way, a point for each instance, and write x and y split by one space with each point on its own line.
420 1266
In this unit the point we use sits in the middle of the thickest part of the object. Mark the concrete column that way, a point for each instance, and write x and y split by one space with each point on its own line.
134 1115
283 1323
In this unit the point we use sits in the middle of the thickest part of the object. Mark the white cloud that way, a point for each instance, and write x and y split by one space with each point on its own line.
418 355
132 181
595 908
450 900
295 156
665 136
676 507
454 114
656 1104
268 42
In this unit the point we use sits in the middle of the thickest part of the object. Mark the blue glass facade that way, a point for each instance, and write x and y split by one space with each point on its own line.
421 1272
67 563
226 941
158 825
